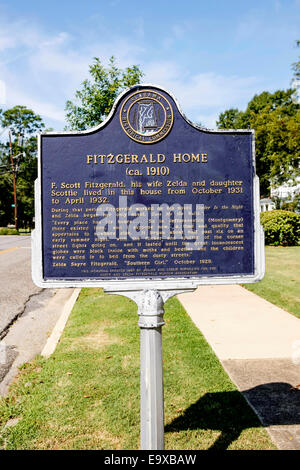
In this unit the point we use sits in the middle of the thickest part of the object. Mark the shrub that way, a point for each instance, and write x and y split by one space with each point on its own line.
281 227
8 231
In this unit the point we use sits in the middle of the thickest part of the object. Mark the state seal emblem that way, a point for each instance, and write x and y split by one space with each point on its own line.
146 116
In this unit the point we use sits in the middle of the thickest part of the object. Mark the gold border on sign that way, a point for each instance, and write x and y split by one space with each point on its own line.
142 98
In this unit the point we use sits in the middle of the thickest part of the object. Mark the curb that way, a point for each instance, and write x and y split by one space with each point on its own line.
54 338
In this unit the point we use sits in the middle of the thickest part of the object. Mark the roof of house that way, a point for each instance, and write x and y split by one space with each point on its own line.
267 201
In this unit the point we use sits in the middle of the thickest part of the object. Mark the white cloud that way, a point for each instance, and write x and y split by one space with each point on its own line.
2 92
207 120
54 65
249 28
19 34
43 70
44 108
60 38
178 31
203 91
210 89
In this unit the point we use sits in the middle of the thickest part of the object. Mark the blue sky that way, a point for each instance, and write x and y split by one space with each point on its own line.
211 54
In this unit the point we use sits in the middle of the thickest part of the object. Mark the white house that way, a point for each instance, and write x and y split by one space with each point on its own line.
286 191
266 205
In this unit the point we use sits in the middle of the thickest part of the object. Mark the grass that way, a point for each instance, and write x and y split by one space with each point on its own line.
281 284
86 396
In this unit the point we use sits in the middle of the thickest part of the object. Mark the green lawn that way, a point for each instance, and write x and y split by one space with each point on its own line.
281 284
86 396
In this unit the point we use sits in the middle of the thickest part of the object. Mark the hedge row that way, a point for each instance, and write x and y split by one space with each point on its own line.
8 231
281 227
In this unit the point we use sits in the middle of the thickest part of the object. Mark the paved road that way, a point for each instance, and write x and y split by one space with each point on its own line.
37 309
16 285
30 332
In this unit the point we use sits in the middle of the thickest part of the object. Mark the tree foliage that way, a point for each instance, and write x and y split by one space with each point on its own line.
23 125
96 97
275 117
21 121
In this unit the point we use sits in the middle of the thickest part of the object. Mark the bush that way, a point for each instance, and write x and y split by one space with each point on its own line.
8 231
281 227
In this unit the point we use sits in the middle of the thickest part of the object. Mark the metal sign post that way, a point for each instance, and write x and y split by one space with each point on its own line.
150 322
151 310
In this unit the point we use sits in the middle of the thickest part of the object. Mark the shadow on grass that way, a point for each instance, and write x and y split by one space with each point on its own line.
228 412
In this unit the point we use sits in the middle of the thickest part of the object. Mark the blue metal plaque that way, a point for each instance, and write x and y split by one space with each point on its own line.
148 196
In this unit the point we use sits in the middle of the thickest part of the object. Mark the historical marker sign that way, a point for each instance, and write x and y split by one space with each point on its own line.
147 197
147 205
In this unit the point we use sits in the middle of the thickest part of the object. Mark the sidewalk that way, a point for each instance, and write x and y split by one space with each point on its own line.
255 342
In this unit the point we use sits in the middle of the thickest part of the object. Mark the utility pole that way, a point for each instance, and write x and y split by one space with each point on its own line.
14 181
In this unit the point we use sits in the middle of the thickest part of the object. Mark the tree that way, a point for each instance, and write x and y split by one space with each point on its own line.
230 119
23 124
6 199
21 121
235 119
277 147
275 117
96 98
